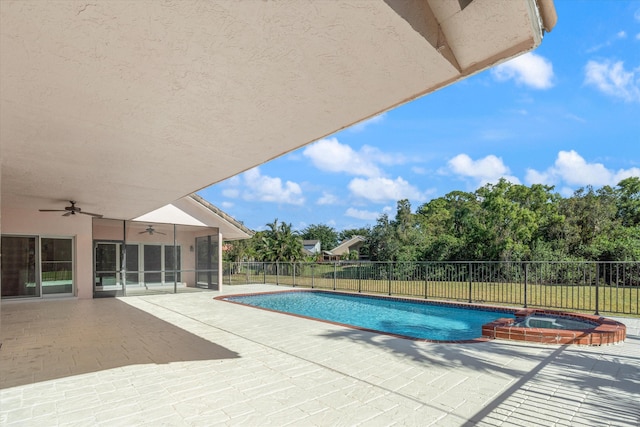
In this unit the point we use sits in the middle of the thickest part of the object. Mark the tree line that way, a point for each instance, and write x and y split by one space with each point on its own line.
497 222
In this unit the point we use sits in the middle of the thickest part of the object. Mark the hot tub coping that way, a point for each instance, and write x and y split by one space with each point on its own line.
604 332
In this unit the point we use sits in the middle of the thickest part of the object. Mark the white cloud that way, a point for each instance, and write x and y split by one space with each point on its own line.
234 180
359 127
327 199
375 155
534 177
330 155
496 134
269 189
384 189
232 193
361 214
419 170
612 79
572 169
529 69
638 36
575 118
566 192
486 170
620 35
227 205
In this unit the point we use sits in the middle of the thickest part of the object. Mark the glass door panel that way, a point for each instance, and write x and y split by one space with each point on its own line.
133 265
107 265
56 265
19 267
207 262
172 264
203 265
152 264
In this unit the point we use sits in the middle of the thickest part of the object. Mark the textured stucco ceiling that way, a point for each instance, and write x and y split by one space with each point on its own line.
126 106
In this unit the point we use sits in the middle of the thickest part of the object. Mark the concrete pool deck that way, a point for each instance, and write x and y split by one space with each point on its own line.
190 360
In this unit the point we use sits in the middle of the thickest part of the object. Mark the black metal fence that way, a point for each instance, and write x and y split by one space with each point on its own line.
611 287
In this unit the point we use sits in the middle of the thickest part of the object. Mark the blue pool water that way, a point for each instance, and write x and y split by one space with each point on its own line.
400 317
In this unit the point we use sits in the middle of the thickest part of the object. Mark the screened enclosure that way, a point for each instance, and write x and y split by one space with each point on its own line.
133 257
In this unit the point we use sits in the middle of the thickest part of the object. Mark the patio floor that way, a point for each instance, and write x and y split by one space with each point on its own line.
187 359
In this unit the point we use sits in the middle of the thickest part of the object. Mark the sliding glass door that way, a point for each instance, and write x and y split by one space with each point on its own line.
34 266
19 261
107 259
56 265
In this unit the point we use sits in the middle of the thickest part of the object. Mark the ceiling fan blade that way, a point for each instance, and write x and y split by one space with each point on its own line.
160 232
143 232
71 210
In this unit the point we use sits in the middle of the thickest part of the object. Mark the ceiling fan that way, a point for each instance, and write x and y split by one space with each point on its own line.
151 231
71 210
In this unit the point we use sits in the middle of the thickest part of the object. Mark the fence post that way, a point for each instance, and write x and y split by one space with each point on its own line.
313 271
264 273
390 269
294 274
426 280
359 277
335 274
597 288
526 278
470 283
277 273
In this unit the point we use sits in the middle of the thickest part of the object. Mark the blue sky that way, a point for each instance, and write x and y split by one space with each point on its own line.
567 114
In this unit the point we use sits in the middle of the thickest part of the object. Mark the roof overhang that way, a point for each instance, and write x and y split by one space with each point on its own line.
128 106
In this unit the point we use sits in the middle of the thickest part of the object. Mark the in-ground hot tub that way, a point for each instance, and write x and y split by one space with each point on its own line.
555 327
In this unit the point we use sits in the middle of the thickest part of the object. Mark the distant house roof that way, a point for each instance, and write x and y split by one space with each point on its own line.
311 247
353 243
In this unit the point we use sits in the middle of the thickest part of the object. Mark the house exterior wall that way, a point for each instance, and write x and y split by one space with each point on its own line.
16 221
83 231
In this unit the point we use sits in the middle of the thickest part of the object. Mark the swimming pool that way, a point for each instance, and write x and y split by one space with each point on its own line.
393 316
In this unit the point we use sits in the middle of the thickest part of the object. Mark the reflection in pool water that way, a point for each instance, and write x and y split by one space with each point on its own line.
553 322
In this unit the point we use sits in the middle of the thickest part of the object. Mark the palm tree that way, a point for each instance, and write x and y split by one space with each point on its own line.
279 243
